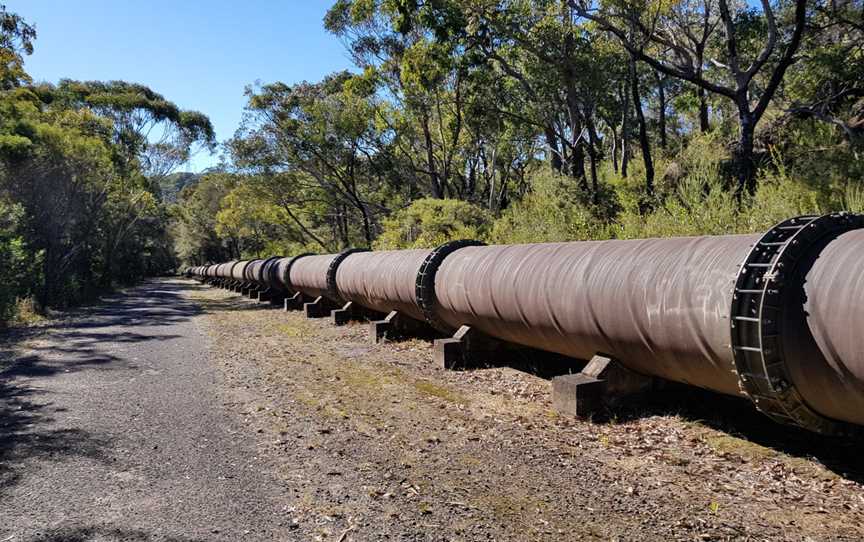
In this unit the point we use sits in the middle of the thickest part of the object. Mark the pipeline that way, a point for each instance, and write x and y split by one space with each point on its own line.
772 317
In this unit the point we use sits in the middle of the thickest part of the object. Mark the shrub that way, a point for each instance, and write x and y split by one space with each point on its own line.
14 260
427 223
555 209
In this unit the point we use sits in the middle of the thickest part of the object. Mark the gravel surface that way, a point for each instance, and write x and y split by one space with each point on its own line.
182 412
112 428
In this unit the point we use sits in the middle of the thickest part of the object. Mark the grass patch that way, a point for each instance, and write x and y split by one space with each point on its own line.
726 444
430 388
292 331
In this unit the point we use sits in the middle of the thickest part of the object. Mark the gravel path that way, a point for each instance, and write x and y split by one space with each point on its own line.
112 428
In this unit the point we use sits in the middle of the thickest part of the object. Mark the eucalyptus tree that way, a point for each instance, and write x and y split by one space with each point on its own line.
193 221
749 71
147 135
16 41
826 85
566 73
440 103
328 132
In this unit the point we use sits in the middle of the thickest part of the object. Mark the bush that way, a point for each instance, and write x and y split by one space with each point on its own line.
428 222
14 260
554 210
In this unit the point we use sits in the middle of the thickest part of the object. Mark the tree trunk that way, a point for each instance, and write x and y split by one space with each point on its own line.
745 168
661 114
577 166
435 181
592 157
704 125
555 152
614 148
625 127
643 132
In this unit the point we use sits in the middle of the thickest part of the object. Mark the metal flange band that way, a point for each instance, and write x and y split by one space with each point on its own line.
265 270
758 304
332 287
425 283
286 278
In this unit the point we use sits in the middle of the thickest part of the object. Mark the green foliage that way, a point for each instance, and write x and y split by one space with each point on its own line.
554 210
79 181
702 204
171 185
15 259
428 222
193 227
508 121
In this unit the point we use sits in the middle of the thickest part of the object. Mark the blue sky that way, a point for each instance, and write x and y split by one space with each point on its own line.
198 53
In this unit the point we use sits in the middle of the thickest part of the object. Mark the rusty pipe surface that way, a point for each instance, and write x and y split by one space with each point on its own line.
261 270
661 306
238 271
280 274
382 281
822 331
309 275
269 274
252 270
223 271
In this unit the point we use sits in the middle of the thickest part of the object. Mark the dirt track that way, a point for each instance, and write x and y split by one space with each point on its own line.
314 434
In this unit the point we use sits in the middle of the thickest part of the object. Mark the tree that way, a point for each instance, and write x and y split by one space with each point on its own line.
327 132
16 40
193 228
750 80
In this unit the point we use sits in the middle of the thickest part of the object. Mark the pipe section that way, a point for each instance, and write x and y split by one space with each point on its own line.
309 275
660 306
238 271
382 281
822 334
281 273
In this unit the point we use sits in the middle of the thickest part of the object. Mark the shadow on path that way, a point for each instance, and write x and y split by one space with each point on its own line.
732 415
78 343
86 534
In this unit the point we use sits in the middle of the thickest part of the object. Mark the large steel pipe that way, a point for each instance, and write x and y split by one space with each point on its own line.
252 272
383 281
773 317
279 275
790 300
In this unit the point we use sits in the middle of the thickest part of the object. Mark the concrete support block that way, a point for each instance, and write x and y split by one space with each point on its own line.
602 382
467 349
396 325
349 312
264 296
277 299
294 302
319 308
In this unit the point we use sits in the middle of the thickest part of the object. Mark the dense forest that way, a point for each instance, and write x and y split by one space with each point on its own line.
507 121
